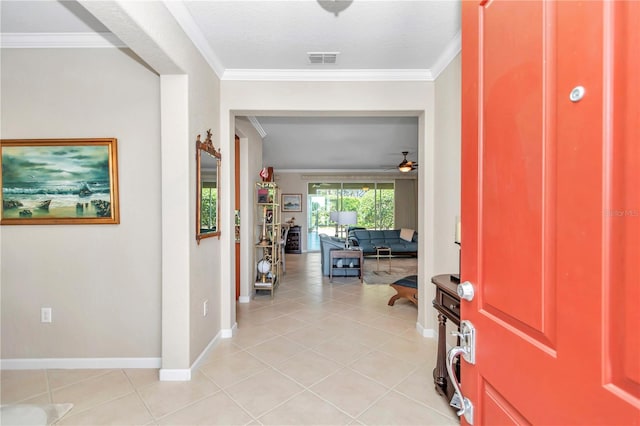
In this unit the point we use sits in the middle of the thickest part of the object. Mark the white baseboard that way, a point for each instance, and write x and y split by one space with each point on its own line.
244 299
175 375
227 333
184 374
78 363
426 332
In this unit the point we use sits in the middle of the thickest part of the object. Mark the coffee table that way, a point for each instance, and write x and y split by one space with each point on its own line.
383 251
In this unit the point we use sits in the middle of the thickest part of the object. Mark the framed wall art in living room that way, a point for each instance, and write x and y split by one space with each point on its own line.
291 202
59 181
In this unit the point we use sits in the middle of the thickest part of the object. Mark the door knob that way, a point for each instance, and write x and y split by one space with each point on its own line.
466 291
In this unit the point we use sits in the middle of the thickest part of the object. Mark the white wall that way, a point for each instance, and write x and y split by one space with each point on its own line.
100 98
103 282
251 161
447 191
189 103
447 168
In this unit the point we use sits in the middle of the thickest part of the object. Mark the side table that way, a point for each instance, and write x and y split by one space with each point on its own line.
346 254
382 251
447 303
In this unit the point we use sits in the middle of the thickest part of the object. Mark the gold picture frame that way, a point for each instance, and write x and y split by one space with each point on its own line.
59 181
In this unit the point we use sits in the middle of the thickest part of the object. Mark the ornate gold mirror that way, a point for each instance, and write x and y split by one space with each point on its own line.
207 194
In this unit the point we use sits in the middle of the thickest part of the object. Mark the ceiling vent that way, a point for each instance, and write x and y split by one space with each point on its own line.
323 57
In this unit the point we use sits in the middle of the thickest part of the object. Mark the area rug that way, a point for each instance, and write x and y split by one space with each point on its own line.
32 415
400 268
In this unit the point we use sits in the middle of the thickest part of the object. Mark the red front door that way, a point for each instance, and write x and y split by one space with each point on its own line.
551 210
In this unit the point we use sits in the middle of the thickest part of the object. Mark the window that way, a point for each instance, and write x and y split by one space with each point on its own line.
372 201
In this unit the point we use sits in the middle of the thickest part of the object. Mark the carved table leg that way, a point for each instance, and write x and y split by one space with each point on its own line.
440 372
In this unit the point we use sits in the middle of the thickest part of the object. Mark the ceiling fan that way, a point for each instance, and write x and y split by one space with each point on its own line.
407 166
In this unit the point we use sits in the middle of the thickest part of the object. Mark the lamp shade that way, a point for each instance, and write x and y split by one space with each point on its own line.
333 216
347 218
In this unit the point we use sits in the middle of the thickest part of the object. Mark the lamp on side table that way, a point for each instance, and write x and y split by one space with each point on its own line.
345 219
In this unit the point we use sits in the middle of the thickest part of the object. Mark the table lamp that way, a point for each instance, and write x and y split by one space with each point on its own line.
345 219
333 217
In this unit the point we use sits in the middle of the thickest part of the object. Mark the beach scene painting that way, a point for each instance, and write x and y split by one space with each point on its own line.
59 181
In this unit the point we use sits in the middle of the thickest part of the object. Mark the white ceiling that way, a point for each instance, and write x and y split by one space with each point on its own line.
376 40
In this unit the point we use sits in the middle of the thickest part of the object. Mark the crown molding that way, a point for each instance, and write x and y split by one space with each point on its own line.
327 75
359 175
193 31
256 124
59 40
449 54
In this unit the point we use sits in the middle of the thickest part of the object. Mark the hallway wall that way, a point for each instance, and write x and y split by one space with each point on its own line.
103 282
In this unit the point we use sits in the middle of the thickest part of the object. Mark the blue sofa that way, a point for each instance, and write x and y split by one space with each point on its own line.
367 240
328 243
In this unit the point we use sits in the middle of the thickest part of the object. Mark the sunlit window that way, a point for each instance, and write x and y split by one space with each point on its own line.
373 203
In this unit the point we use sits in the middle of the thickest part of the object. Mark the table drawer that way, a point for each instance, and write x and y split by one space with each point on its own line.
449 303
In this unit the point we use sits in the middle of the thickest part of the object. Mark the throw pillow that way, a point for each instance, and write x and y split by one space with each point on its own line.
406 234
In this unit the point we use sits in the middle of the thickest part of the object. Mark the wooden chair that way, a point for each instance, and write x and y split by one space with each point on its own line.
281 245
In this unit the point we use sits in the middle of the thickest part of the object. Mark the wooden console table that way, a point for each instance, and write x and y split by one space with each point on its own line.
447 303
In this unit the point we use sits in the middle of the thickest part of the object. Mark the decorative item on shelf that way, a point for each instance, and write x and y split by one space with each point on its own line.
345 219
457 240
264 267
264 236
263 195
339 263
351 264
267 174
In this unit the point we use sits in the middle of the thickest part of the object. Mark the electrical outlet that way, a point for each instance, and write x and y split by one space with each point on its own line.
205 308
45 315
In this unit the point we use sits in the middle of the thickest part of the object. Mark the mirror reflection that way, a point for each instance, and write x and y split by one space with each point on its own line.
207 194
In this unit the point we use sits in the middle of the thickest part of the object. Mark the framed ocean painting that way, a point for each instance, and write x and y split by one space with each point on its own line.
59 181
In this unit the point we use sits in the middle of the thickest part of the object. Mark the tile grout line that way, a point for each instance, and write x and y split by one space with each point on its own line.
135 389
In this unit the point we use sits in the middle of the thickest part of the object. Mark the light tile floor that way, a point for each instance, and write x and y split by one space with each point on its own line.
317 353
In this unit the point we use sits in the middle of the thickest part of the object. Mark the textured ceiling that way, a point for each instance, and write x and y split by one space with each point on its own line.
393 40
368 35
357 144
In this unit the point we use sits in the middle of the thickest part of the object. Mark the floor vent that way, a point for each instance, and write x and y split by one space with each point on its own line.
323 57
